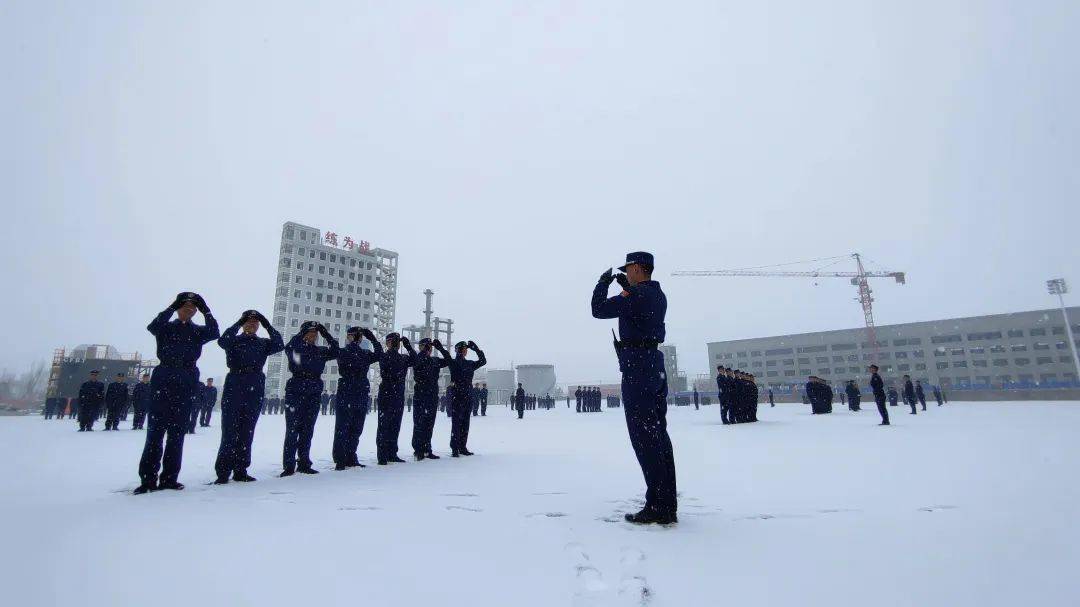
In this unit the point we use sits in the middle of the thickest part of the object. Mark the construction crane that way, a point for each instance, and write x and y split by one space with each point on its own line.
859 278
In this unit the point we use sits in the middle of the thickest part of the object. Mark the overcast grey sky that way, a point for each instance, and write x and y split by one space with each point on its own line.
512 151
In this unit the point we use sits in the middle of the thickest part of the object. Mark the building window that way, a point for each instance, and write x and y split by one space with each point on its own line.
977 350
1044 360
920 366
918 354
740 354
299 280
770 363
901 355
756 364
804 361
1058 330
822 360
296 293
1016 333
811 349
1037 332
789 373
853 369
1022 362
1001 362
978 363
838 359
1064 359
997 349
839 347
294 322
984 336
303 236
1019 348
959 364
942 365
789 362
903 367
944 339
296 308
1041 346
322 256
771 374
755 352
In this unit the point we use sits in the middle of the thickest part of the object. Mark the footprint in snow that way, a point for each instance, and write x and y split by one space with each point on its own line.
934 508
550 493
589 586
459 495
466 509
359 508
547 514
633 587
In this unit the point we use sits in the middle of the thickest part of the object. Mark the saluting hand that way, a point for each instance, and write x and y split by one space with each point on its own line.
606 277
623 281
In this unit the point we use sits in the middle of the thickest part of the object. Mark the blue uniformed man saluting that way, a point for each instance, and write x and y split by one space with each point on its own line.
460 390
640 308
353 397
426 370
173 387
307 361
242 397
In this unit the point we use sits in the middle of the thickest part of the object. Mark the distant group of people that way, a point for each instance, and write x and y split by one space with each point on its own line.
96 400
588 399
738 394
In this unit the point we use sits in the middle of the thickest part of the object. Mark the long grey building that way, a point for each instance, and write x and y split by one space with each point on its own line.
333 279
1000 350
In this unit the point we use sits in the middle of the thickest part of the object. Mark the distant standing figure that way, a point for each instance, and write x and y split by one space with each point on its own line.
91 396
116 397
920 394
878 388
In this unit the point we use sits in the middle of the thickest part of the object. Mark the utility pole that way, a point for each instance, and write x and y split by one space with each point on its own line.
1058 287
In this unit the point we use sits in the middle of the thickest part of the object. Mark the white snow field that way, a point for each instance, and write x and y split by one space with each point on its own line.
968 504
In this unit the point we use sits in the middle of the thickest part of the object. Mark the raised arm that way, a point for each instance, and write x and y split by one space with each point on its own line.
229 336
162 318
481 360
602 305
276 344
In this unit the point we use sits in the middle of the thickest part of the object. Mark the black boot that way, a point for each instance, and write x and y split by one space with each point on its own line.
340 467
172 485
222 480
145 487
396 459
307 470
454 453
431 455
243 477
287 472
466 452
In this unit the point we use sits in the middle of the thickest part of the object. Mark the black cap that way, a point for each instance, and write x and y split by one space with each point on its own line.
93 372
308 326
187 296
639 257
425 341
393 335
461 345
353 331
248 315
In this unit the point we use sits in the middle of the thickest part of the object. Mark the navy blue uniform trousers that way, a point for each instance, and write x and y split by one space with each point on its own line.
460 417
172 392
425 406
644 393
350 413
301 411
391 409
241 404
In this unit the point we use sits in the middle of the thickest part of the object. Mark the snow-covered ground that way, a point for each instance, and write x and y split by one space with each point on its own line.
969 504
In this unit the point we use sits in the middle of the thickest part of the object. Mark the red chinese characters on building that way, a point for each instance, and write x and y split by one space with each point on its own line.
348 243
331 238
365 246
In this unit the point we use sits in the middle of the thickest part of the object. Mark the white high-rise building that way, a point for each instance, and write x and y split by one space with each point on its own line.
330 278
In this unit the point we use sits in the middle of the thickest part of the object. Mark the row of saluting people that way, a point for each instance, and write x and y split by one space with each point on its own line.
588 400
738 394
175 382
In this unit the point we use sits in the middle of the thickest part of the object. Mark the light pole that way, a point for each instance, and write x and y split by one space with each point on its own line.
1058 287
